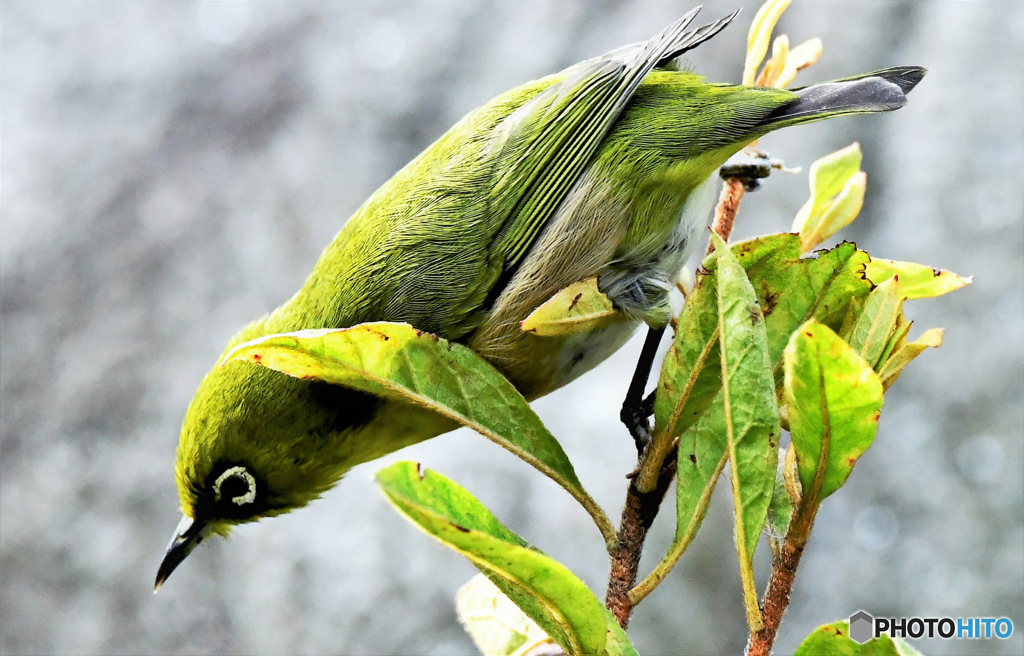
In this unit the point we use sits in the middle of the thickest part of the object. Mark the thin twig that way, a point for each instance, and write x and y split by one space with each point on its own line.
780 586
728 205
637 517
684 536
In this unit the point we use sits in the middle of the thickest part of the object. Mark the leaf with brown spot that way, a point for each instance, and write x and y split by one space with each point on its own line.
799 288
750 417
916 280
833 397
580 307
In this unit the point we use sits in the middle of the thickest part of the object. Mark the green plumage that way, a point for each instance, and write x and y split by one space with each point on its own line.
603 169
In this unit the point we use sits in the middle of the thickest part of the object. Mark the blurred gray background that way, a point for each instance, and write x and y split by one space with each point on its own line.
172 170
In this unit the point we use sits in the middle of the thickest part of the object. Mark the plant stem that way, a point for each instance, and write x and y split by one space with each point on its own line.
776 599
725 212
679 545
637 517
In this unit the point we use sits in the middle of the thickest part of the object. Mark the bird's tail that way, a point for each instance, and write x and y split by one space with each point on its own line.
878 91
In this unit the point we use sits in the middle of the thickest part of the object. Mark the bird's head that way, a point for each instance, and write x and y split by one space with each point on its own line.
256 443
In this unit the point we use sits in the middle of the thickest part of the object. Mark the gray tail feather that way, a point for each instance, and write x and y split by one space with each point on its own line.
878 91
905 77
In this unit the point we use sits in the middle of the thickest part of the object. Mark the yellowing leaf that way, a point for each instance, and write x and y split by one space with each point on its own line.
834 640
906 353
791 476
771 71
497 626
799 58
916 280
828 177
760 35
835 215
580 307
870 334
897 339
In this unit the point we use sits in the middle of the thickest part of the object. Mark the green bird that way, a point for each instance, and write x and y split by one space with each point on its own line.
606 168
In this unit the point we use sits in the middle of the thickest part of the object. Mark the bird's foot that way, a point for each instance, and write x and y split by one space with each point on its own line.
637 425
635 417
750 166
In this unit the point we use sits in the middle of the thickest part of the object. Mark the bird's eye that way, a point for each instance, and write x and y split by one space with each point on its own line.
236 485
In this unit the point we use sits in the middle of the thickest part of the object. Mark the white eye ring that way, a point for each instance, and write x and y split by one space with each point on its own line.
240 471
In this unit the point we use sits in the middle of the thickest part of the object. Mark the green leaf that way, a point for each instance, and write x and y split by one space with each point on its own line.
790 289
828 178
690 376
618 642
498 627
580 307
750 415
870 334
702 457
543 588
916 280
905 354
836 214
897 339
398 362
834 400
833 640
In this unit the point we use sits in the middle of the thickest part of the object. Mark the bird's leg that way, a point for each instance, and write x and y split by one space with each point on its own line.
635 408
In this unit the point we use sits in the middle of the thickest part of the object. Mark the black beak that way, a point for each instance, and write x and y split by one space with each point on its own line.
187 537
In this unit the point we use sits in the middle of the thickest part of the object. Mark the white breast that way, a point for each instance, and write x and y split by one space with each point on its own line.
641 287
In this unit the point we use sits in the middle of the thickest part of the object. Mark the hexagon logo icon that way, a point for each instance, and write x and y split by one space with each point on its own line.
862 627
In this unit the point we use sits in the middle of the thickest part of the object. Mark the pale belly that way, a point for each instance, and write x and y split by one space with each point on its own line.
580 242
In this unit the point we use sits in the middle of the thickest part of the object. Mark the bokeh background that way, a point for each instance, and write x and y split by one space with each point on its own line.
171 171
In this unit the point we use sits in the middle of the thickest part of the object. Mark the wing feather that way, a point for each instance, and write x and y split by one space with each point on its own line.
550 140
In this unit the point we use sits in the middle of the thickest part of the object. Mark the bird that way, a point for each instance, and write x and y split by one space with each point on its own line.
604 169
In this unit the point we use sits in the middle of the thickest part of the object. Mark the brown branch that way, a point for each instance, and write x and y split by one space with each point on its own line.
780 586
637 517
725 212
